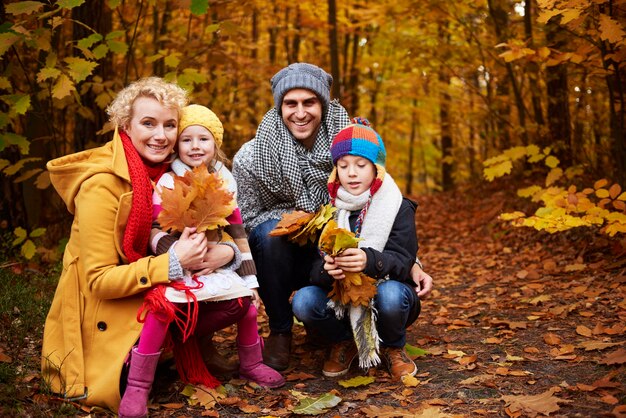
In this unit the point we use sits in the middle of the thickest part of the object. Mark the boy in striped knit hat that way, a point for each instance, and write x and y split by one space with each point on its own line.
369 204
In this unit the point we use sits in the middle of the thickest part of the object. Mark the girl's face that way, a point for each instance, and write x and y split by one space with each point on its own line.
356 174
152 129
196 146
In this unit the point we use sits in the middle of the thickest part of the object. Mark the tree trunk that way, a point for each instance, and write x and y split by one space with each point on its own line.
447 181
533 68
559 120
334 48
615 81
500 19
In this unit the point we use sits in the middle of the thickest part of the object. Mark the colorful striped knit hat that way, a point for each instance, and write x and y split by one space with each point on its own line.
359 139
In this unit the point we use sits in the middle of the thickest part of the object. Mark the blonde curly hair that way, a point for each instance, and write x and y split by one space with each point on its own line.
170 95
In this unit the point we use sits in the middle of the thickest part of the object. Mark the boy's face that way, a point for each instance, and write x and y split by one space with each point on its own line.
302 115
356 174
196 146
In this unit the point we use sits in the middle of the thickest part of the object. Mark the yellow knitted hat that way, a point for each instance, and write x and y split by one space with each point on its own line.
202 116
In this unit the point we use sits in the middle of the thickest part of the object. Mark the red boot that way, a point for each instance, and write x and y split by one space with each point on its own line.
251 367
140 377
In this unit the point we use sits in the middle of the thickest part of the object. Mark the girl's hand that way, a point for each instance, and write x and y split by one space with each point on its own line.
190 248
331 267
353 260
217 255
256 300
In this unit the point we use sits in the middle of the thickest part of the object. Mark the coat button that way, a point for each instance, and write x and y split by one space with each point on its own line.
102 326
379 264
143 280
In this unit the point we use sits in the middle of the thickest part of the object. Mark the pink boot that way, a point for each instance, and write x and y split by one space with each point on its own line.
140 377
251 367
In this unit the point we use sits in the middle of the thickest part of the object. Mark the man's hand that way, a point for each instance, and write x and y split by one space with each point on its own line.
423 282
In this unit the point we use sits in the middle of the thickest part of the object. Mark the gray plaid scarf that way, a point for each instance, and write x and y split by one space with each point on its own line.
292 176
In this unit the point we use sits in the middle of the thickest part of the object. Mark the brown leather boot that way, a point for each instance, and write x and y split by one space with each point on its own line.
398 362
276 350
215 362
340 358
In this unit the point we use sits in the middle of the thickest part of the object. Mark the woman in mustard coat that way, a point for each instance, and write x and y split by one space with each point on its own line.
92 324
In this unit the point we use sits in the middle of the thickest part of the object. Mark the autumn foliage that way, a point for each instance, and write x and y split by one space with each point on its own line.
199 199
356 288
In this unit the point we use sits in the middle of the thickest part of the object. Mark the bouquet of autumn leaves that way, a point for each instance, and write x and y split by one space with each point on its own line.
355 293
199 199
302 227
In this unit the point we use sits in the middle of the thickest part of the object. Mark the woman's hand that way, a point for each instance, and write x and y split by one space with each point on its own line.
191 247
217 255
353 260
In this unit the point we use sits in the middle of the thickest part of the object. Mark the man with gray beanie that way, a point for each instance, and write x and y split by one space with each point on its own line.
285 167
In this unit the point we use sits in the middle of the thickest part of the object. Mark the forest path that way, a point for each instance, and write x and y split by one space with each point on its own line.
520 323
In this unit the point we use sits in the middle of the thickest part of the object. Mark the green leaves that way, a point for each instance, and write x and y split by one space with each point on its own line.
28 248
23 7
80 68
414 352
69 4
316 406
7 40
356 381
199 7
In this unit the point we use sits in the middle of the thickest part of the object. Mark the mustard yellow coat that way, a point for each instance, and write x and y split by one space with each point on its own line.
92 323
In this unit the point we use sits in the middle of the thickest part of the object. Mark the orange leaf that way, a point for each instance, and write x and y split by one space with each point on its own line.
199 199
615 190
290 222
616 357
584 331
551 339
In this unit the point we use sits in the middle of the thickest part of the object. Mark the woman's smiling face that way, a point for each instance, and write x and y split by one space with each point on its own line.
152 129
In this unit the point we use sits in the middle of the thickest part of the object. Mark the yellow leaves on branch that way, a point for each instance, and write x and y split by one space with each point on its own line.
199 199
562 209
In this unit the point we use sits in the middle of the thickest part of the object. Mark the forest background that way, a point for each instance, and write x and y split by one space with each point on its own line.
462 92
458 90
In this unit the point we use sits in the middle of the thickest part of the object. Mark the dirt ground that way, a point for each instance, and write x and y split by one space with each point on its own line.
520 323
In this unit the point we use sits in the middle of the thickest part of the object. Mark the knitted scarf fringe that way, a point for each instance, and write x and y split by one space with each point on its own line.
187 355
364 332
190 365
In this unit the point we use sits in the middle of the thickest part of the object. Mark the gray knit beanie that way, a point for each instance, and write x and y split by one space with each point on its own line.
301 75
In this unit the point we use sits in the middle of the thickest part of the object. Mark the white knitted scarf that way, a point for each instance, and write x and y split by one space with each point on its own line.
375 230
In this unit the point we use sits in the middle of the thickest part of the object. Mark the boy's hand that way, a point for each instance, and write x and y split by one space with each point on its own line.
353 260
423 282
331 267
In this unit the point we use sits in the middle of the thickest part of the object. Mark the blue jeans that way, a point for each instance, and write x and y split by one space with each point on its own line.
397 304
282 267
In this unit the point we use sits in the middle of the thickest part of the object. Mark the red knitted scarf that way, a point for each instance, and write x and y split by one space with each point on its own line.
142 174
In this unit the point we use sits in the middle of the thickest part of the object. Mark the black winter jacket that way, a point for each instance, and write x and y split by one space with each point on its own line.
395 261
